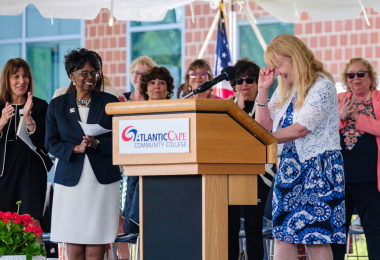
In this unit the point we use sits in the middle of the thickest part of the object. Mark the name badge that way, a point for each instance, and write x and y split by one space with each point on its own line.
21 112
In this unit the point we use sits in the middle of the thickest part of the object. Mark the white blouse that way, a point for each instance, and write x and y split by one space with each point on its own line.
319 114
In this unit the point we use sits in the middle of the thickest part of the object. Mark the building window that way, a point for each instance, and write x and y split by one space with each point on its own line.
43 45
249 46
162 41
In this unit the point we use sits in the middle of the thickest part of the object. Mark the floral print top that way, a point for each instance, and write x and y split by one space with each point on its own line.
350 132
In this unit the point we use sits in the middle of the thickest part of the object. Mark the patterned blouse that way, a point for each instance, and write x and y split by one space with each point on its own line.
350 132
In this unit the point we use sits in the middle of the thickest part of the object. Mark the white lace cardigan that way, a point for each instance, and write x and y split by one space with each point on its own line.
319 114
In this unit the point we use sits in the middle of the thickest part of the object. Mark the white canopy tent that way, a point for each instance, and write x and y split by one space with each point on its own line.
155 10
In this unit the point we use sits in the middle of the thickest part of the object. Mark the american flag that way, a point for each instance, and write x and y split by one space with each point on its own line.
222 60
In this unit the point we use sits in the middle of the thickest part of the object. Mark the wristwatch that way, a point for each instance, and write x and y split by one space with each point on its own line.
32 123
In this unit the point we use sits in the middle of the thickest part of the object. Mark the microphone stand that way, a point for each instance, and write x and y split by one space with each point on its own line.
188 95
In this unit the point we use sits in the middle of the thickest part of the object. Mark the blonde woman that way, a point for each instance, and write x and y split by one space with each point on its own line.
308 197
138 67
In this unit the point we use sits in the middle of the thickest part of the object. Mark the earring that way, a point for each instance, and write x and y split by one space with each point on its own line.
74 83
189 88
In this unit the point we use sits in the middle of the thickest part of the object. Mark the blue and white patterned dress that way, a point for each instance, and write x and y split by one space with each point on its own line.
308 198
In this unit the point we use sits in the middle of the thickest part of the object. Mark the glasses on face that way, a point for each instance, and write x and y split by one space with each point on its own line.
240 81
85 74
360 74
193 74
136 74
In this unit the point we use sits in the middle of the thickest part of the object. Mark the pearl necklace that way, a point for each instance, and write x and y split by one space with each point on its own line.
369 94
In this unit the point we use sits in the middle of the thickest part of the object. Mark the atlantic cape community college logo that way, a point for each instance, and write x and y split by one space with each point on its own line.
154 136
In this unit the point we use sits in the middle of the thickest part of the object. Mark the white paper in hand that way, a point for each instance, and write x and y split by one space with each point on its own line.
93 129
23 135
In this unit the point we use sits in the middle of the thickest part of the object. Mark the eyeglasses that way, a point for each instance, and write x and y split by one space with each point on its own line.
85 74
136 74
360 74
193 74
240 81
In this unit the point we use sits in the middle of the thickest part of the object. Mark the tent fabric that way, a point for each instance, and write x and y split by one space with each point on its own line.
155 10
318 10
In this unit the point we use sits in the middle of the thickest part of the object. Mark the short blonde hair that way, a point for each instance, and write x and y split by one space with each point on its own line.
143 60
371 72
305 66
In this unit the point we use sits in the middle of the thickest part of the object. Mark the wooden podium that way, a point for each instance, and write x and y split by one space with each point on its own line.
184 197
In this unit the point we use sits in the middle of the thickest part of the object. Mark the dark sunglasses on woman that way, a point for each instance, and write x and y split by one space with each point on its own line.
360 74
240 81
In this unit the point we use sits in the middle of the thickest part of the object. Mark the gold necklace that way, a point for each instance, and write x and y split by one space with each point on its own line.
80 106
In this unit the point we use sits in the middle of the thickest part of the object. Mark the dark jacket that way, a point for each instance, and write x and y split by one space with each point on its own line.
63 133
38 113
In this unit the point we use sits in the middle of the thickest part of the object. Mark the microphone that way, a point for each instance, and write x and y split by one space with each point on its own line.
227 73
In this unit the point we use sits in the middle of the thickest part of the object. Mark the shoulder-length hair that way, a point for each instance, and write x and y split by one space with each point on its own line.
371 73
11 68
305 66
197 64
161 73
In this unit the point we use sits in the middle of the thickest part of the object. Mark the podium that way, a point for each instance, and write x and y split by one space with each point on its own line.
211 162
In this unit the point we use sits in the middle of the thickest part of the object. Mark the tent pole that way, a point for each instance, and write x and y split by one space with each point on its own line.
254 27
209 35
232 39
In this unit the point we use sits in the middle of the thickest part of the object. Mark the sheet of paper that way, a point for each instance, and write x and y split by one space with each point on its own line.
93 129
21 132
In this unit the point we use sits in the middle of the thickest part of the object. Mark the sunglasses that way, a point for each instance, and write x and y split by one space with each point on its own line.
193 74
240 81
360 74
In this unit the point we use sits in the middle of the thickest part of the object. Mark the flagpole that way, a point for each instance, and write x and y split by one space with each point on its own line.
232 34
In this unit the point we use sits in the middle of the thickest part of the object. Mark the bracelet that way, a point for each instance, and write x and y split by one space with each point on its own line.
33 123
261 104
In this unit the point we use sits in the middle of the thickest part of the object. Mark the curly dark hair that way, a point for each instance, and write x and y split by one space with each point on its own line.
76 59
246 67
161 73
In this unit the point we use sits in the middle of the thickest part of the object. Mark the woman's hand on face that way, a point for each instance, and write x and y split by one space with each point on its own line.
89 141
28 106
6 114
347 109
266 79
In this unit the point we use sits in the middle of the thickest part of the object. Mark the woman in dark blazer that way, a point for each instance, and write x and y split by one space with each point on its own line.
22 168
86 199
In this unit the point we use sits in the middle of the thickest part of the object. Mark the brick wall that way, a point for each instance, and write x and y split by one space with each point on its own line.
333 42
110 43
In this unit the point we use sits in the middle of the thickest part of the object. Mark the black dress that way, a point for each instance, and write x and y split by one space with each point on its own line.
23 171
